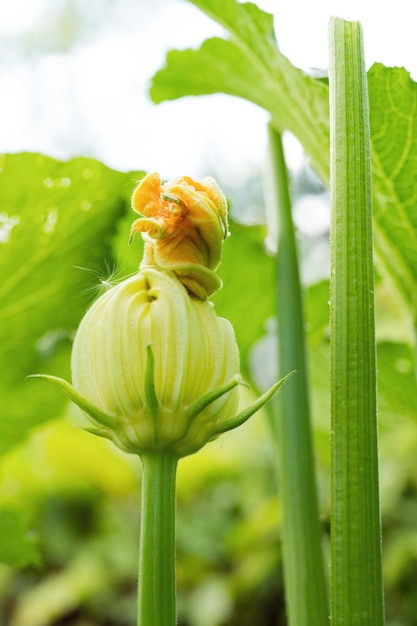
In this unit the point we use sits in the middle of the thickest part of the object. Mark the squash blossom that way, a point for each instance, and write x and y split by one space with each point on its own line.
184 224
153 366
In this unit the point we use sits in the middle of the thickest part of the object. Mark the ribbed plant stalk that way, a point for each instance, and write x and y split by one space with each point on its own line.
356 573
157 583
305 583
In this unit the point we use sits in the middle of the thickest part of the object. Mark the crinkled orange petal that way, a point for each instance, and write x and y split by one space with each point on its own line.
184 225
146 199
154 227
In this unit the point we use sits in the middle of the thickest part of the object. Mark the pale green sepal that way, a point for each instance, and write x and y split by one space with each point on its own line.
200 280
98 432
115 437
96 414
149 386
199 405
230 424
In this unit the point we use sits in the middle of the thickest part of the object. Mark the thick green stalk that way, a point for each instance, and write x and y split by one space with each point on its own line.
305 584
357 594
156 588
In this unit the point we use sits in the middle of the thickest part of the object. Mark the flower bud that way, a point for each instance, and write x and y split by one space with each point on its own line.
184 224
144 354
153 366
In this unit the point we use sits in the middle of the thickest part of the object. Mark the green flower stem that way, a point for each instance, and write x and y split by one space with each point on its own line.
305 583
356 572
156 585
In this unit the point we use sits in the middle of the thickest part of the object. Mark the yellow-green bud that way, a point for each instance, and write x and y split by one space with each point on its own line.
153 366
193 352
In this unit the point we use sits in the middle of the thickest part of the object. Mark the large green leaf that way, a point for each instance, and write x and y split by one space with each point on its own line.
393 114
250 65
396 380
55 218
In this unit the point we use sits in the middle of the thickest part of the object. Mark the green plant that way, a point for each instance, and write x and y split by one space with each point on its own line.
66 215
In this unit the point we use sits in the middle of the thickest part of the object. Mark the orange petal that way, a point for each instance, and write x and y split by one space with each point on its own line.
146 199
